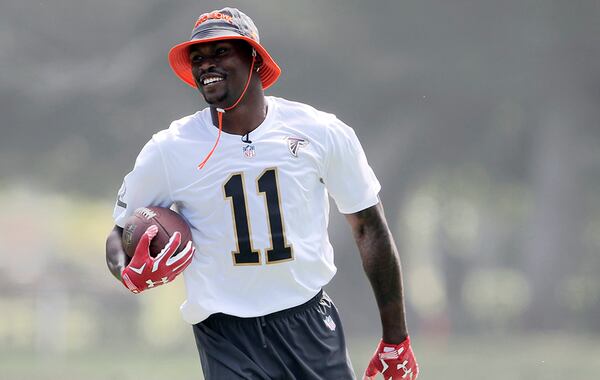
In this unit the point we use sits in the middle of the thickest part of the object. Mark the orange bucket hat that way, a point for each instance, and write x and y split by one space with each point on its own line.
224 24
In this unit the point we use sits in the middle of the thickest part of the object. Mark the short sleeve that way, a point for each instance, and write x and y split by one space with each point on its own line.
348 177
146 185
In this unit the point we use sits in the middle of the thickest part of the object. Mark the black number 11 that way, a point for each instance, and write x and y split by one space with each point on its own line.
267 185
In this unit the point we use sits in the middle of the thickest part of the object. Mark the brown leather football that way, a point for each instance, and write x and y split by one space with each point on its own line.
167 221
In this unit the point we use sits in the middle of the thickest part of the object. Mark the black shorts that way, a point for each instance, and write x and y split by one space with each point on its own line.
304 342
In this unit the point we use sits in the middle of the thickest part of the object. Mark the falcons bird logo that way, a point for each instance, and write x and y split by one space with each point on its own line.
294 145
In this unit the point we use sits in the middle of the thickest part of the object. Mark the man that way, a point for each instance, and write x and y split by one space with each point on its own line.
251 174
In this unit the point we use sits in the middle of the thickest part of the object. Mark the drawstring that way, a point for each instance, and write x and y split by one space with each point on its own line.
220 117
260 323
221 111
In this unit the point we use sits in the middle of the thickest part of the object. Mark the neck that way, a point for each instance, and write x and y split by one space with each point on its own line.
245 117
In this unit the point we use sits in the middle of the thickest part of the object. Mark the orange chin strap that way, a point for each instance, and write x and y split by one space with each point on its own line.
221 111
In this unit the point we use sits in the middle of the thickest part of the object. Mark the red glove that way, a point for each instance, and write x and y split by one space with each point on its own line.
393 361
145 272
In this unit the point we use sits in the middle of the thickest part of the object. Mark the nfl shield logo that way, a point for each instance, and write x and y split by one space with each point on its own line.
249 151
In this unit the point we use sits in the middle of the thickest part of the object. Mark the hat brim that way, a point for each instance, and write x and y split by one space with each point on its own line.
179 59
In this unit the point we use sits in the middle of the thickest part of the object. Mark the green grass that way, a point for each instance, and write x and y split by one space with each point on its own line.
531 357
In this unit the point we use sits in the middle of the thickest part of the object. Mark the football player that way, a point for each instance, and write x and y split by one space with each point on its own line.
252 174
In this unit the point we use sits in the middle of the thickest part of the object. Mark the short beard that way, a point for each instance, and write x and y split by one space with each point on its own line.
218 100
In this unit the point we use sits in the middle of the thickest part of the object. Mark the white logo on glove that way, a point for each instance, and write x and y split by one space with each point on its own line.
152 284
389 353
138 270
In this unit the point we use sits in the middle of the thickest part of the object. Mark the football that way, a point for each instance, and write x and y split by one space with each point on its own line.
167 221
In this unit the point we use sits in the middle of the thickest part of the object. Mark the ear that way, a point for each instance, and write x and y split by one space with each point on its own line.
258 62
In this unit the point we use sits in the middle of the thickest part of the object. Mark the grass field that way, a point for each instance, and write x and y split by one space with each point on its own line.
532 357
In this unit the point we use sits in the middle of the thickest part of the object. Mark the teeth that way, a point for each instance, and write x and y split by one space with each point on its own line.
211 80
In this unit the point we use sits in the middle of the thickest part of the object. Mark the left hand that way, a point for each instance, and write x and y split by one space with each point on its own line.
394 361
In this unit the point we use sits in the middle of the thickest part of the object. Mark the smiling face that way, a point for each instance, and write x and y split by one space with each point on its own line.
221 70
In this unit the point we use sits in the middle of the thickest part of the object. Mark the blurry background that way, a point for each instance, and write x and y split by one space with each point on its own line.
480 118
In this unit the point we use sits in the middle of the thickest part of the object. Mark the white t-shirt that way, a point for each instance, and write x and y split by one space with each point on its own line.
258 211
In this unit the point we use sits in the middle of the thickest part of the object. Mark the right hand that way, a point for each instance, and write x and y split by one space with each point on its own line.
145 272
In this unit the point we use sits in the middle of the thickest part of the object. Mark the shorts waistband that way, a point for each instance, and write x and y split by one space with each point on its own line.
278 314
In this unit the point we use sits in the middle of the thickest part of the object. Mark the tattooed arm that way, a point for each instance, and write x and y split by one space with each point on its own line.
382 266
